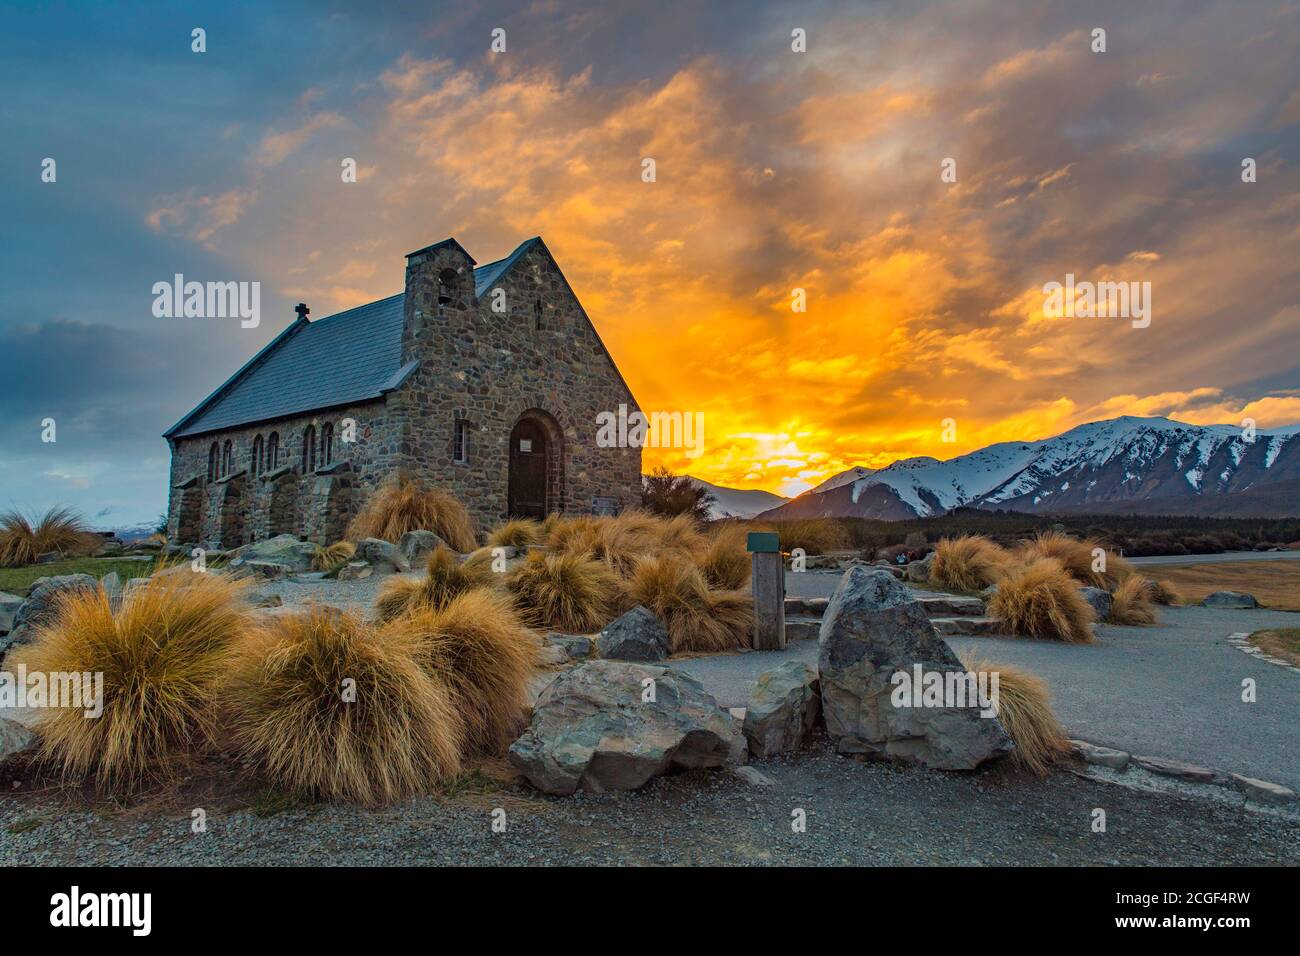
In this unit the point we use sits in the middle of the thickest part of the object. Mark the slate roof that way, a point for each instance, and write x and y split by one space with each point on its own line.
352 356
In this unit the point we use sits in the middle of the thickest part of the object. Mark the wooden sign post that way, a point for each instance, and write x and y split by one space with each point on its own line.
768 583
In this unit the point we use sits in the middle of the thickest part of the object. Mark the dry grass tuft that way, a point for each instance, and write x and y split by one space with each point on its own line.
288 697
23 539
406 505
568 592
477 646
1131 604
1162 592
161 655
814 535
446 577
1025 710
726 562
1077 558
1041 599
696 619
333 557
967 563
516 533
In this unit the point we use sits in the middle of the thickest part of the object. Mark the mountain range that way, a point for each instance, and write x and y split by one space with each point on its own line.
1127 465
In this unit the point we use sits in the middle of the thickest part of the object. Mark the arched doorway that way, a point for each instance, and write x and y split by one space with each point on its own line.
529 471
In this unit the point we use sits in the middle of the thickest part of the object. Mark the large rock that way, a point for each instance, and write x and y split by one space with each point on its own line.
918 572
593 729
873 629
15 739
355 571
282 549
40 605
782 709
382 555
1230 599
416 546
9 605
1098 599
635 636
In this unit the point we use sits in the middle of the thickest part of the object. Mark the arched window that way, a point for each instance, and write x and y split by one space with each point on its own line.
446 283
272 451
212 462
309 450
327 443
537 315
257 456
227 458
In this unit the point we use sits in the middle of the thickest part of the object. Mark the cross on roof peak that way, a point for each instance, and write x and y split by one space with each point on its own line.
302 310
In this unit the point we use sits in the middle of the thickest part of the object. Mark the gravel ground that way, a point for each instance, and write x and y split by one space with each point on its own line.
857 814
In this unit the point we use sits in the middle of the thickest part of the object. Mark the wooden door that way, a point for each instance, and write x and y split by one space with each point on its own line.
527 491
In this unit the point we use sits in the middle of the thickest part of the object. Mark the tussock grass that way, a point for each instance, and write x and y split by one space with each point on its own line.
1025 711
445 578
516 533
287 691
1131 604
1077 558
477 646
814 535
406 505
676 591
726 562
332 558
24 539
1041 599
568 592
162 655
967 563
1162 592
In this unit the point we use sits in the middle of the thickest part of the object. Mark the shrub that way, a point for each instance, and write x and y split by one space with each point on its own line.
23 540
1162 592
667 494
1077 558
568 592
572 535
445 578
516 533
291 716
1040 599
332 558
406 505
967 563
478 648
814 535
1025 711
161 655
1131 604
696 619
726 563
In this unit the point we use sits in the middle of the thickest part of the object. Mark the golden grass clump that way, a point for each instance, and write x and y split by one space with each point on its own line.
568 592
1025 711
23 539
967 563
697 619
323 703
332 558
516 533
1131 604
1040 599
1078 559
814 535
477 646
445 578
406 505
680 533
161 653
726 562
1162 592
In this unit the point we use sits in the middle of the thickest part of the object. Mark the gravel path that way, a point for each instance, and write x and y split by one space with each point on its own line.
857 813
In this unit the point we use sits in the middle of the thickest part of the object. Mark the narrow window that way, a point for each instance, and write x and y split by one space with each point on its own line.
309 450
537 315
272 451
460 442
227 458
257 456
446 283
212 462
327 443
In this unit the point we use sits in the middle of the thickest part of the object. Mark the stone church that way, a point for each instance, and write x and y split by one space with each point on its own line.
485 381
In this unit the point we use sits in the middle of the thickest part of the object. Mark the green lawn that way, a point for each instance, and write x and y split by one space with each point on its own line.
19 580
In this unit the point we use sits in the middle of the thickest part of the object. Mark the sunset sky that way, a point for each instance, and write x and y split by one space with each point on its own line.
776 170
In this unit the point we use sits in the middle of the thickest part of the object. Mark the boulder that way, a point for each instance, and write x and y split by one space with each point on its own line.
635 636
575 646
282 549
918 572
382 555
262 570
355 571
40 605
416 546
1230 599
782 709
874 629
594 729
9 605
265 599
49 557
15 739
1100 600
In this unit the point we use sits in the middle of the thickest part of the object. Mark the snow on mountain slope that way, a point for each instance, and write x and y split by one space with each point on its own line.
843 478
1147 465
739 502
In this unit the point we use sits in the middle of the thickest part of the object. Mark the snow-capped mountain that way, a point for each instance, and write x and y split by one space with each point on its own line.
843 478
738 502
1123 465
